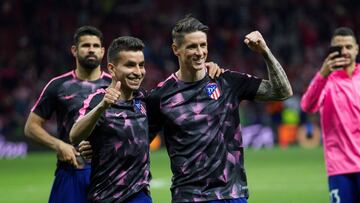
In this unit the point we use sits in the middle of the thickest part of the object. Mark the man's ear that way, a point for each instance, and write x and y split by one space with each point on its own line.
357 49
73 50
102 51
111 69
175 49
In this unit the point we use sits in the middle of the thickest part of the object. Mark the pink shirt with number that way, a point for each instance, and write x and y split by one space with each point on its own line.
337 97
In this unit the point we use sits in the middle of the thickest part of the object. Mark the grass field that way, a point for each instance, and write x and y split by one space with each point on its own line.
293 175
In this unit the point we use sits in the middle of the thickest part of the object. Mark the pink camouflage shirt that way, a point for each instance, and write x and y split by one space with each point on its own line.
337 97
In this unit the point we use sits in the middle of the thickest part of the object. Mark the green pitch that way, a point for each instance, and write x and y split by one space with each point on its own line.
293 175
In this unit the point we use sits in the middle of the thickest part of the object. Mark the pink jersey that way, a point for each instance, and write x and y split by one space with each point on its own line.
337 97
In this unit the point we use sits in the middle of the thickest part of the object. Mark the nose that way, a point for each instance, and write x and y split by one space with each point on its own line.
92 49
137 70
198 51
343 50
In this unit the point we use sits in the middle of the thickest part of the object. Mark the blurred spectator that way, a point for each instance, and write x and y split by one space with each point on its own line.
34 38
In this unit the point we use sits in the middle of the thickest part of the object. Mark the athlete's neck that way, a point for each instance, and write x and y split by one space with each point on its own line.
88 74
190 76
350 69
126 95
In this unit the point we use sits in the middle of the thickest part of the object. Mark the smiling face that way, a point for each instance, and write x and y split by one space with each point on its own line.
350 48
88 52
129 70
192 52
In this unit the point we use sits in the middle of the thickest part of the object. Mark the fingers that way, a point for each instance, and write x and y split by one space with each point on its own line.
213 70
254 38
217 70
84 145
67 153
73 161
221 71
256 42
87 154
335 63
85 150
112 94
246 41
332 55
331 64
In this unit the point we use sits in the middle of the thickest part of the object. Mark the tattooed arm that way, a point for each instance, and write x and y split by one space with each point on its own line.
278 86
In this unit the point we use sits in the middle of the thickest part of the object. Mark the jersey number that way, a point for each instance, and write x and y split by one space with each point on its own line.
334 196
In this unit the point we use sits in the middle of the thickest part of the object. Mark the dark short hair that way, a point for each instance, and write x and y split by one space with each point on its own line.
187 25
87 30
125 43
343 31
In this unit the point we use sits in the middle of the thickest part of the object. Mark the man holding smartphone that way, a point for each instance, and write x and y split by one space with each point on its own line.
335 92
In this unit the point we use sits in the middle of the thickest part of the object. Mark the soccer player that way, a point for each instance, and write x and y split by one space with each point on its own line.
200 120
64 95
335 92
114 119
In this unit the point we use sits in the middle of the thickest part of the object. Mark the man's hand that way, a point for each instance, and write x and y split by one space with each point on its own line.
112 94
331 63
67 153
256 42
85 150
214 70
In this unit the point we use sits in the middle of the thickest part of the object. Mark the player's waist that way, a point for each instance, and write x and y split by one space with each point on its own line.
68 166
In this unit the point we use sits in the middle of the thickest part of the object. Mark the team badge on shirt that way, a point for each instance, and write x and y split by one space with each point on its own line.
139 107
213 91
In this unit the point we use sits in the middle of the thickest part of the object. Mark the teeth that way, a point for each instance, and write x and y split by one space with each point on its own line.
135 80
198 60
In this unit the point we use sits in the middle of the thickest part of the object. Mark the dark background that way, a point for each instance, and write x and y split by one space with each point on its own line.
36 36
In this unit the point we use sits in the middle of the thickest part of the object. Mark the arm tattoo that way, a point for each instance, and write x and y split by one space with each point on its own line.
278 86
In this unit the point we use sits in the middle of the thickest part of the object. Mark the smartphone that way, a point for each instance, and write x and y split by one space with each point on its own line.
335 49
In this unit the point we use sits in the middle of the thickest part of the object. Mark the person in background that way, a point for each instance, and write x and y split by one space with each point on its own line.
64 95
335 93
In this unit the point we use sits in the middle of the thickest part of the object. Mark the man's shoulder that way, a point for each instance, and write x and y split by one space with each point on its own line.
141 93
56 82
235 77
59 79
230 74
163 86
105 77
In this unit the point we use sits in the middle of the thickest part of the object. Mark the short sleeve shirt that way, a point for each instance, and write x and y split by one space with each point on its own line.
120 143
202 132
64 95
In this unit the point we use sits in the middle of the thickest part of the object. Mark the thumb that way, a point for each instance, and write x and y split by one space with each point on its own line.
246 41
118 85
113 81
73 159
207 64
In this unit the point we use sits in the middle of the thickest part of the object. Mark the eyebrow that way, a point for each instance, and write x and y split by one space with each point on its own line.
133 63
89 43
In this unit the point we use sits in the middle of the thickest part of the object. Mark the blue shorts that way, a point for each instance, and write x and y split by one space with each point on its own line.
140 197
70 185
238 200
345 188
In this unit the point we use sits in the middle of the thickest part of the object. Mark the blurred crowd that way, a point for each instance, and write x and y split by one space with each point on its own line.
36 36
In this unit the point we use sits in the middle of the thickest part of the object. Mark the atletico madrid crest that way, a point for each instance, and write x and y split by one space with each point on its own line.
213 91
139 107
